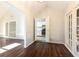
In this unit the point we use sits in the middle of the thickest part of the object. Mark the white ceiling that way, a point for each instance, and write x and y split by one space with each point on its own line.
59 4
55 4
37 6
3 9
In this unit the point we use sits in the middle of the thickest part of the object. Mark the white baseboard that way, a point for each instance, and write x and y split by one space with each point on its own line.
1 35
29 44
70 50
18 36
67 47
50 42
11 37
56 42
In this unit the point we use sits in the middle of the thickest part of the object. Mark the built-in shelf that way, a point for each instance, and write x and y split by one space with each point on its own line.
77 31
70 31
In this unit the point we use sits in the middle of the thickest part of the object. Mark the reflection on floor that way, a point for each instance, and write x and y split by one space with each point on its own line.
8 47
6 41
9 44
38 49
2 50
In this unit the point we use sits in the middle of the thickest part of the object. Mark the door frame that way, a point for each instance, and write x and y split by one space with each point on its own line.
47 39
8 28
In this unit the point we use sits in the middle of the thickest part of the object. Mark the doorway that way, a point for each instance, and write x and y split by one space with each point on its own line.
42 29
10 29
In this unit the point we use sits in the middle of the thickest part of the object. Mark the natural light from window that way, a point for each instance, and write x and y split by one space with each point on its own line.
2 50
11 46
8 47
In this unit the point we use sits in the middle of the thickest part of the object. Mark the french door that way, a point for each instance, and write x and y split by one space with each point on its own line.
10 29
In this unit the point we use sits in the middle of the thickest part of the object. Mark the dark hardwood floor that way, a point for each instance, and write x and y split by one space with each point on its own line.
39 49
7 41
11 52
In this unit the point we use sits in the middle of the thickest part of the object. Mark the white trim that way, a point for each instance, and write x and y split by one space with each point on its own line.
11 37
47 27
56 42
9 26
29 44
70 50
67 47
1 35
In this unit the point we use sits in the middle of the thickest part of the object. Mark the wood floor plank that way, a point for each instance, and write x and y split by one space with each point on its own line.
37 49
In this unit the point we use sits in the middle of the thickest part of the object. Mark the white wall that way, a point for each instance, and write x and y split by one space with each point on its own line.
1 26
56 27
56 22
29 24
29 28
8 17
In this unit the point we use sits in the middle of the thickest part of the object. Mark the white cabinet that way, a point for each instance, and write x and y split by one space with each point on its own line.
72 30
69 30
77 29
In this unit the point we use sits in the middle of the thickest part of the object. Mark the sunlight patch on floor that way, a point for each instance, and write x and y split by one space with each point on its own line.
2 50
8 47
11 46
